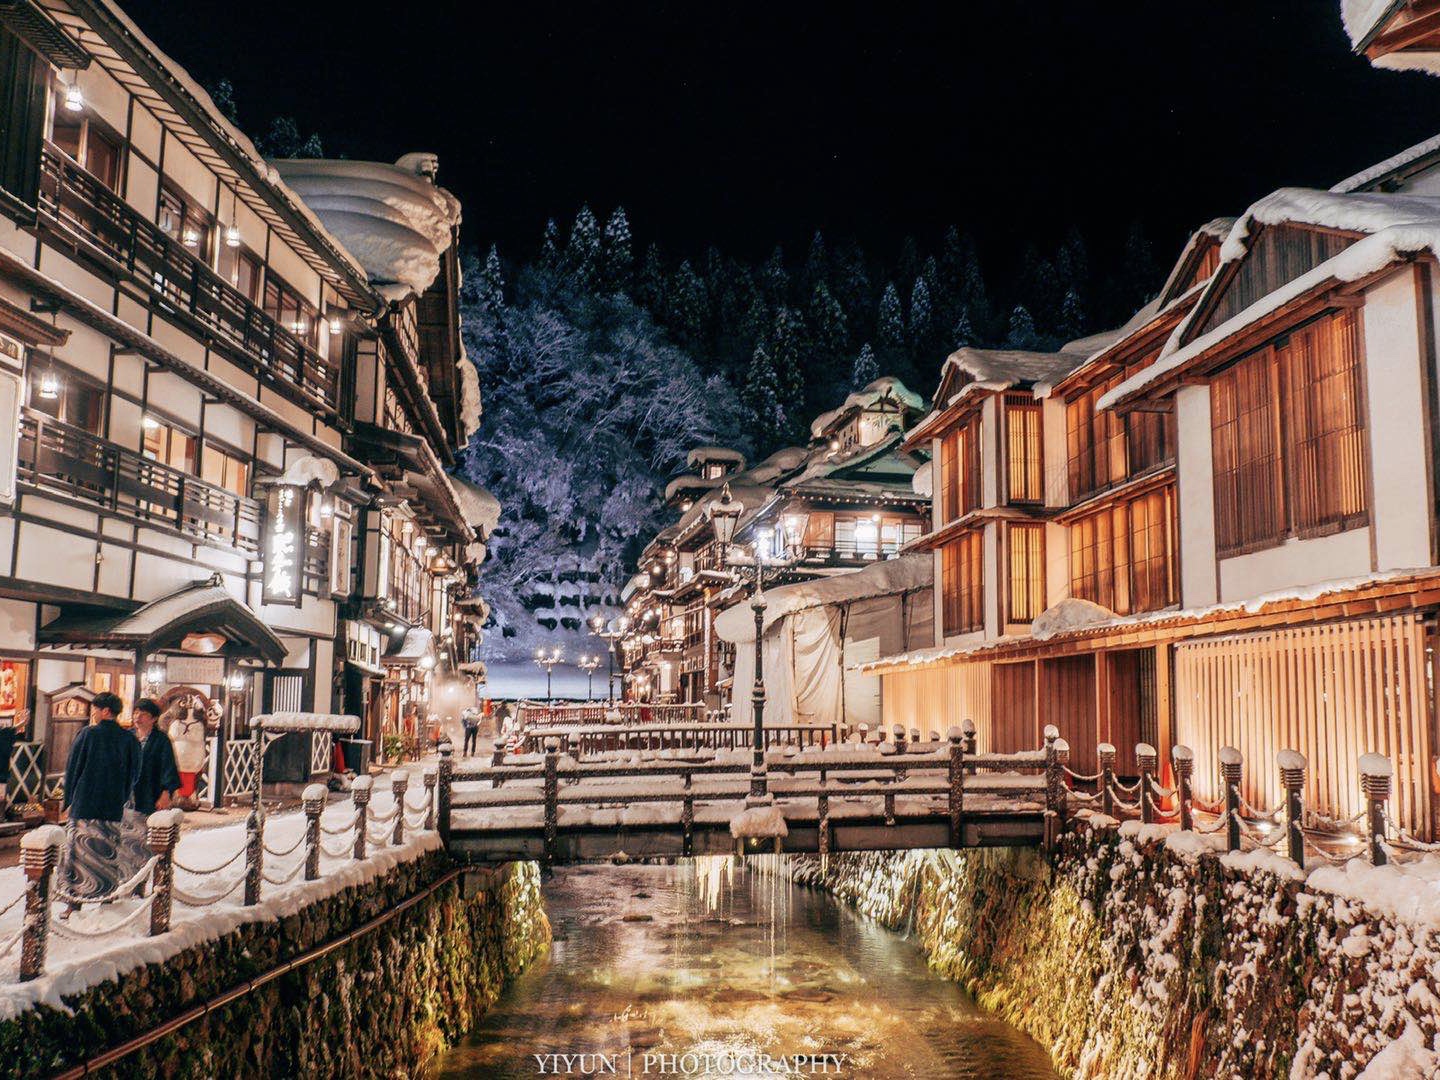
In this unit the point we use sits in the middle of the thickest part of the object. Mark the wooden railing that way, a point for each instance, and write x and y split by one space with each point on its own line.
532 713
62 458
587 740
81 204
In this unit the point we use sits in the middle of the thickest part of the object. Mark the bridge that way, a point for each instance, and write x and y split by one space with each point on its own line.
644 791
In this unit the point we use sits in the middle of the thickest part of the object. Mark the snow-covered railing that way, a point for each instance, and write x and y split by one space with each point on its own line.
588 739
365 829
1153 803
539 713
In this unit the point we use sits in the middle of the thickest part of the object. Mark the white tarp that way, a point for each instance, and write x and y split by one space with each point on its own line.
819 630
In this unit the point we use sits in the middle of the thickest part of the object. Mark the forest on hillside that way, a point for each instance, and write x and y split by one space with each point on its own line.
601 364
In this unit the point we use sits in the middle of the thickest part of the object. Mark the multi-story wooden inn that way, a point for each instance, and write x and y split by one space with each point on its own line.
839 505
227 483
1230 536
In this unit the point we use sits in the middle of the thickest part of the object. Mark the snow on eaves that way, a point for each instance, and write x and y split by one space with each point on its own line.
1360 17
471 406
1398 225
701 454
237 139
1004 368
478 506
393 219
1381 169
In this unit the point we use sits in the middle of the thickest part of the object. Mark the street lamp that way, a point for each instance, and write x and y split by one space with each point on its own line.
548 660
610 633
724 517
588 664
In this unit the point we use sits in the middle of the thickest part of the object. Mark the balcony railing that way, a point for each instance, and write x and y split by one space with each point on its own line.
62 458
83 205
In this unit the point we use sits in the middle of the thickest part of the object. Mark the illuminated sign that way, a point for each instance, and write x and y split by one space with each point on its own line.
284 549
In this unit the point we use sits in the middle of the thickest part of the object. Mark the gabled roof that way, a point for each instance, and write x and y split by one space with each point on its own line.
886 390
1394 169
1402 35
1392 227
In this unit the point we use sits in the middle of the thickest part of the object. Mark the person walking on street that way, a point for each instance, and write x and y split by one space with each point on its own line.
471 723
155 785
100 777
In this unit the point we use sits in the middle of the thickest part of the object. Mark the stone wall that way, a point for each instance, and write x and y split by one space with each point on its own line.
380 1006
1141 951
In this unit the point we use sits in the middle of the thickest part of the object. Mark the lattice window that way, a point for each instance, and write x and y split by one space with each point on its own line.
1025 456
1026 558
963 583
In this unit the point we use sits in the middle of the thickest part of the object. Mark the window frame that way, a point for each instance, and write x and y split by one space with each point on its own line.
962 583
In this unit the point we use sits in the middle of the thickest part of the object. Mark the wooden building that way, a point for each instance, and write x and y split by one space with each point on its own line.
182 353
843 503
1239 513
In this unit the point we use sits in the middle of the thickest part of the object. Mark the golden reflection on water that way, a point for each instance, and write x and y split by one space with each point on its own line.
712 956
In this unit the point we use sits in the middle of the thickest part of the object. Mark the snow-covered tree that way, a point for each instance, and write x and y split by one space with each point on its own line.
817 264
284 140
490 284
827 330
650 286
1072 317
865 369
617 253
549 259
582 253
1021 333
774 279
761 396
890 323
685 305
786 346
962 334
920 315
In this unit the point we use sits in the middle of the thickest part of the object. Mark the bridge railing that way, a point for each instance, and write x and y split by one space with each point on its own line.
589 740
49 903
530 714
1285 827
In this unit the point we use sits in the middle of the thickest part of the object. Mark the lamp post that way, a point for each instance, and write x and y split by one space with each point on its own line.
610 633
588 664
724 517
548 660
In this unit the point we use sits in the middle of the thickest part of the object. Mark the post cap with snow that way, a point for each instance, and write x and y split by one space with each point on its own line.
1230 756
1376 765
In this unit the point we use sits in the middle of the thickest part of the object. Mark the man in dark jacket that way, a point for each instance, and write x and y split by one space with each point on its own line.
99 781
159 777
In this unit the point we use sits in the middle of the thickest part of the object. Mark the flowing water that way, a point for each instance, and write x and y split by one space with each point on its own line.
704 968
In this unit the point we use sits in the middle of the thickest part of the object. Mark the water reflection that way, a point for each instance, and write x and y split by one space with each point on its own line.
707 958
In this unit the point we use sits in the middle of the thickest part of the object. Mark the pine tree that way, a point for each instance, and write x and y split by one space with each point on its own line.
490 291
685 305
284 140
1040 290
774 279
1021 334
1072 317
817 263
549 259
761 396
1072 263
962 334
650 288
223 94
920 316
582 254
972 292
907 267
617 253
865 369
890 324
786 348
1141 277
827 330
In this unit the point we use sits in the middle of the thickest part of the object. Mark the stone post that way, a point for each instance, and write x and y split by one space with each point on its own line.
1375 774
1059 792
967 727
1106 753
442 803
399 784
360 792
552 798
1182 758
497 758
39 853
162 832
428 778
313 801
1292 776
1050 734
899 739
1230 766
1148 760
822 808
957 787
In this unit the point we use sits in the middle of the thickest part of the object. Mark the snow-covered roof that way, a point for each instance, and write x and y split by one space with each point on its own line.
305 721
1395 163
392 218
418 643
1366 20
702 454
1362 17
887 387
1397 225
773 467
888 578
480 509
1003 368
689 482
471 406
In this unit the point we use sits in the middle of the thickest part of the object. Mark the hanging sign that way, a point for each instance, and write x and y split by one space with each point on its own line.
284 554
205 670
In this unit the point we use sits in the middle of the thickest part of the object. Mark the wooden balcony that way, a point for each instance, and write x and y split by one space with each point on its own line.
60 458
85 209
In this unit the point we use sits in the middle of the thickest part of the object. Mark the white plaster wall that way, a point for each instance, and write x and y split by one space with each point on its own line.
1295 563
17 624
991 544
1057 563
989 459
1395 393
1057 479
1195 482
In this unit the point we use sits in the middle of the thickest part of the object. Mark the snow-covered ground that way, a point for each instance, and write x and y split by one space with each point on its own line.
76 960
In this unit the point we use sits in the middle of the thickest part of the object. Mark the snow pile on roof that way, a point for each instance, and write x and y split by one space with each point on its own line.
1397 225
393 219
481 509
1068 614
418 642
776 465
1366 177
310 469
1000 369
887 387
888 578
1361 16
689 482
923 482
702 454
471 406
305 721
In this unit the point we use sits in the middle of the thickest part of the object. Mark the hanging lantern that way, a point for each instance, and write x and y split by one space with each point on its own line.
232 235
74 99
335 325
50 385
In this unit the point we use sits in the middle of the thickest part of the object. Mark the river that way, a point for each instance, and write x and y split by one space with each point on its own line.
701 969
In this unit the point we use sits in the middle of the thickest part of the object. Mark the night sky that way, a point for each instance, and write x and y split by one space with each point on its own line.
750 126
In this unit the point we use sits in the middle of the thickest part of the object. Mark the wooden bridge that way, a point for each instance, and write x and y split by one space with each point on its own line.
607 798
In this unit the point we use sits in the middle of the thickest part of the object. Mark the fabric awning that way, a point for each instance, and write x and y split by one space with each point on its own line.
204 607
